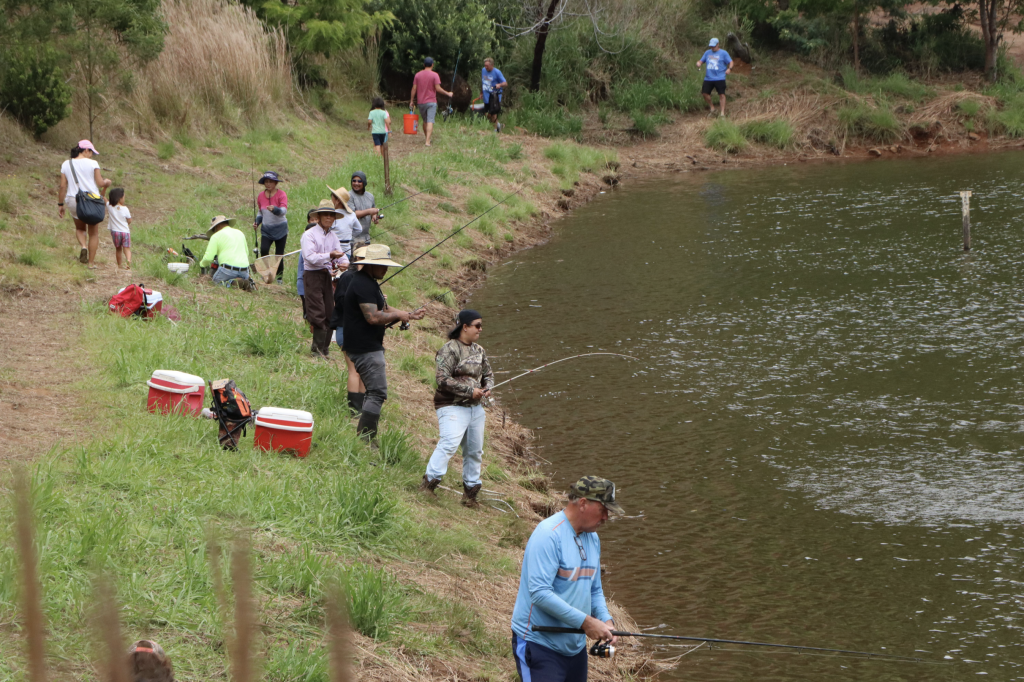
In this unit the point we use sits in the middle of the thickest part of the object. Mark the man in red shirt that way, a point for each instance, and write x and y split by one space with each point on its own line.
425 87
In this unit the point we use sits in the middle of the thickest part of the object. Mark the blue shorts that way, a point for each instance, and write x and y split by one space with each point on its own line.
537 663
379 139
339 336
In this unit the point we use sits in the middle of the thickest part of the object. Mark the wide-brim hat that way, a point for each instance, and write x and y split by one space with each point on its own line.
377 254
269 175
360 252
217 221
342 195
326 206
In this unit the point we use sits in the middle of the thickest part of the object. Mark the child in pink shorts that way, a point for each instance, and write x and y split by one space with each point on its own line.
118 220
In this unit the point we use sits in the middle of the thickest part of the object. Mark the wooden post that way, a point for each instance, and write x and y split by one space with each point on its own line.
965 197
387 168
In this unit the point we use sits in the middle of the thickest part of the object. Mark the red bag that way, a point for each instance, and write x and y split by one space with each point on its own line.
129 301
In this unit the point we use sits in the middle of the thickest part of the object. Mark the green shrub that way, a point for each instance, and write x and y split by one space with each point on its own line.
969 107
778 133
165 150
644 125
1009 120
724 135
34 91
874 123
295 663
438 29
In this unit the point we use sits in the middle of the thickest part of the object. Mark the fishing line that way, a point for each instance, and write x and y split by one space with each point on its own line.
555 362
518 191
714 640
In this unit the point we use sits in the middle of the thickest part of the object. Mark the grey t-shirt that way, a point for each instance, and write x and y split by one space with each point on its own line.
361 202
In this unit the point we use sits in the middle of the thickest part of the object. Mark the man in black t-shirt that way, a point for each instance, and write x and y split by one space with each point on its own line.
365 317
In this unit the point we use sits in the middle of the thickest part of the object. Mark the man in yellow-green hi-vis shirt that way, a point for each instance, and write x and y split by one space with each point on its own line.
228 245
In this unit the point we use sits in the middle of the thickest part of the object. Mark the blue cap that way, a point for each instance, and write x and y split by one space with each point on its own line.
713 43
428 61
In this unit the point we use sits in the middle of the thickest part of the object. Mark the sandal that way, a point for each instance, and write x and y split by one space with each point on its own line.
83 257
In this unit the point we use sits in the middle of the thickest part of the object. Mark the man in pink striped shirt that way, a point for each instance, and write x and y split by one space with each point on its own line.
321 253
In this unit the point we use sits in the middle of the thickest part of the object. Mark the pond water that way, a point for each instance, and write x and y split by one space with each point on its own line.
824 425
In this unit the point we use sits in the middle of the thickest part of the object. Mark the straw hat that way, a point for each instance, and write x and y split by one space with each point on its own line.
360 252
326 206
216 222
377 254
342 195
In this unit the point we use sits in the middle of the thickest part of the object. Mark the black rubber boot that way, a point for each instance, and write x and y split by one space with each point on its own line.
359 398
355 403
321 342
428 485
367 428
314 347
469 493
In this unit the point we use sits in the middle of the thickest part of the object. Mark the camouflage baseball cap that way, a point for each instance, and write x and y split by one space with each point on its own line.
599 490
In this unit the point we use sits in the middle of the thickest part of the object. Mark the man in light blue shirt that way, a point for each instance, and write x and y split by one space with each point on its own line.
492 85
719 65
560 586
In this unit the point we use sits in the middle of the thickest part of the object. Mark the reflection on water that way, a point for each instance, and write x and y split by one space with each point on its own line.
824 429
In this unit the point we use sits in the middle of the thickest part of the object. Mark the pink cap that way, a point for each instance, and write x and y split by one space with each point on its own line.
85 144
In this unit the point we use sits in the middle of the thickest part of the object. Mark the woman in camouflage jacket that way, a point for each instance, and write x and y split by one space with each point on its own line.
464 379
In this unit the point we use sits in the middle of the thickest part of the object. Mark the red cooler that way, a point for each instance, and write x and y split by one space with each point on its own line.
288 431
171 391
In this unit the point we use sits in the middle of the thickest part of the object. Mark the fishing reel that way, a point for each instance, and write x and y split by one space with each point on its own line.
602 650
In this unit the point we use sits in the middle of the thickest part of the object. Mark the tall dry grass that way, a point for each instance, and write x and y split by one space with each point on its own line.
220 65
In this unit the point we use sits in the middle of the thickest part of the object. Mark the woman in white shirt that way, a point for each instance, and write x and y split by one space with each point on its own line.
90 180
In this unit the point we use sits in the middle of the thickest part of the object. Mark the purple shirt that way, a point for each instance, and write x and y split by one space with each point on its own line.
316 249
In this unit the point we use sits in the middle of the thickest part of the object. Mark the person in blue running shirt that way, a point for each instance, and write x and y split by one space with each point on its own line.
719 66
560 586
493 82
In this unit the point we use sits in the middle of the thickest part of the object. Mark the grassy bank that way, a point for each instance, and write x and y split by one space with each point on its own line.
138 496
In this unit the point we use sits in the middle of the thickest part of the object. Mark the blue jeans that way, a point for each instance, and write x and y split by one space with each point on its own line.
459 426
224 276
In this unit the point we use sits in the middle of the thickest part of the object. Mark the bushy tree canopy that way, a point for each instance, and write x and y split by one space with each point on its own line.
438 29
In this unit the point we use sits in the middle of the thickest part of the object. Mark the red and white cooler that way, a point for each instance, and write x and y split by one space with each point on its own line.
171 391
285 430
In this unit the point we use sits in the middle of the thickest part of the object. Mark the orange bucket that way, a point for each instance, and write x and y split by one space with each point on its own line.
411 122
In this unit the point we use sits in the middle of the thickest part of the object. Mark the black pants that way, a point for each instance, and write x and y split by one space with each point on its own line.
319 298
278 250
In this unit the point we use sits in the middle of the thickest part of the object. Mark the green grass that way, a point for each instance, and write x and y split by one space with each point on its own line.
725 136
33 257
776 133
894 85
1009 120
878 124
165 150
969 107
572 159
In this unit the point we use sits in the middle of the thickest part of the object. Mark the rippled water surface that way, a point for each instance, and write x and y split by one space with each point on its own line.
824 427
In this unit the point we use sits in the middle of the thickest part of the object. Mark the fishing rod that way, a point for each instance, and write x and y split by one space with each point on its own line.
713 640
255 210
572 357
455 233
380 211
449 111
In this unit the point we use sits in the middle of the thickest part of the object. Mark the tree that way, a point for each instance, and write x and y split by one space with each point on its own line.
994 17
438 29
320 28
543 16
107 40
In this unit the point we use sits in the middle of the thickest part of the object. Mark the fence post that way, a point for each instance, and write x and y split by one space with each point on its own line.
965 198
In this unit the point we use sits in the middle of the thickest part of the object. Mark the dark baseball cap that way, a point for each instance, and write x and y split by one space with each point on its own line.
428 61
599 490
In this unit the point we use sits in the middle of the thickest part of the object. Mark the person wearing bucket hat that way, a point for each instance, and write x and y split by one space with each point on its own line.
321 254
365 208
366 315
464 378
560 586
347 225
229 247
272 218
719 66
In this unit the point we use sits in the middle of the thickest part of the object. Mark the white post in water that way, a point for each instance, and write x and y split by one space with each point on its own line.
965 198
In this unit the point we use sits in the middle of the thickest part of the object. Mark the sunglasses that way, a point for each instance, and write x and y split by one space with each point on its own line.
477 326
579 545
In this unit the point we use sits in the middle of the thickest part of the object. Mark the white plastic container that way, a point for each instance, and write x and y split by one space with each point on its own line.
180 268
278 428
